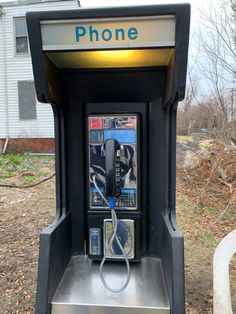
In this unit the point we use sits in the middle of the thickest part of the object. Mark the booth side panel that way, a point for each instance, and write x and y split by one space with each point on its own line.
173 266
75 169
156 175
173 243
54 255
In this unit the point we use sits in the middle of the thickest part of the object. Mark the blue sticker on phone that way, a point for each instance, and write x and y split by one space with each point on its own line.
122 136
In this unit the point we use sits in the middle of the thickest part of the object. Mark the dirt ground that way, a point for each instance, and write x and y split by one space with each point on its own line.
25 212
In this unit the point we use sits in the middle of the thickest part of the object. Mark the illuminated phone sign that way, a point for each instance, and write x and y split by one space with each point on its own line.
152 31
106 35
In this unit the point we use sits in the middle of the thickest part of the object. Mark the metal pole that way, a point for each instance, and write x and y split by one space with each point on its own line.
2 14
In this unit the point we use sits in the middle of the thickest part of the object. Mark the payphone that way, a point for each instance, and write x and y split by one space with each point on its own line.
114 77
114 182
113 164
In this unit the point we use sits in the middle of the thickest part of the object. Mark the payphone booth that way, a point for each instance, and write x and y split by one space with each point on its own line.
113 77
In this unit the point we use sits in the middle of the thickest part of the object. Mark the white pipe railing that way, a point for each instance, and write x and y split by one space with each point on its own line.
4 71
221 283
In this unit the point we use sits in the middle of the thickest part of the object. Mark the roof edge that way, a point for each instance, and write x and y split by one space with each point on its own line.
31 2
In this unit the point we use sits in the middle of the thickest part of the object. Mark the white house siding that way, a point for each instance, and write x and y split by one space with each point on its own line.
2 101
19 68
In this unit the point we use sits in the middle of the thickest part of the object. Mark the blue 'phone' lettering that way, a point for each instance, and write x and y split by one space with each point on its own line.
95 35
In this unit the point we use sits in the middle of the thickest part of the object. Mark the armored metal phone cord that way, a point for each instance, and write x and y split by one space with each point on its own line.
111 204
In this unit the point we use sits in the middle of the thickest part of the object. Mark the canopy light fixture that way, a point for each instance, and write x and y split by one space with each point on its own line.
126 58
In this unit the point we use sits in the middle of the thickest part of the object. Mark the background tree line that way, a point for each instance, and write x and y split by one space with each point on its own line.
215 67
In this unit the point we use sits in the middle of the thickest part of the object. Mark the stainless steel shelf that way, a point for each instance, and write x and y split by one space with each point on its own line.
81 290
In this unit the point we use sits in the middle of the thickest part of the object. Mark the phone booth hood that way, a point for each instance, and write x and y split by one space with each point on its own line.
112 62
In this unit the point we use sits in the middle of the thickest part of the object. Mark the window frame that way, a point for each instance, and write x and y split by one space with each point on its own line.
17 53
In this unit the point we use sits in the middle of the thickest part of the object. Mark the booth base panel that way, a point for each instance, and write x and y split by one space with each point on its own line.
81 290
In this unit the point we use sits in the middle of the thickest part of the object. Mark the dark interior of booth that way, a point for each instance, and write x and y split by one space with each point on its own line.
140 90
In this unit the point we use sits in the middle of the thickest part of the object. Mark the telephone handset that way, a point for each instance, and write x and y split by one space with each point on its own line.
111 148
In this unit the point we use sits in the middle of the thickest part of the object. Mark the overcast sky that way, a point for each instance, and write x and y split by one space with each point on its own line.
195 5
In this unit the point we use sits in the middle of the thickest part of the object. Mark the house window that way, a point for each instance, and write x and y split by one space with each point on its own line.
27 100
21 35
